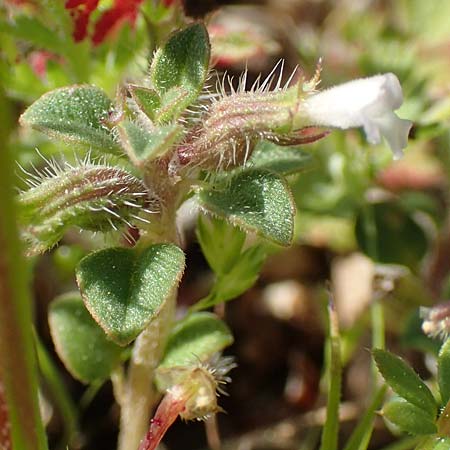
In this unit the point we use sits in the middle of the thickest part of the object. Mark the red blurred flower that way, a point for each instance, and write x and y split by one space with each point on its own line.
38 61
81 10
122 10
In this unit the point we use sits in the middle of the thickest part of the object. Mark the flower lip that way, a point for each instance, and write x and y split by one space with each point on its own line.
367 102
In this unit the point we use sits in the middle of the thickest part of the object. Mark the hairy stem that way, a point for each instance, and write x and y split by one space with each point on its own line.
140 396
17 356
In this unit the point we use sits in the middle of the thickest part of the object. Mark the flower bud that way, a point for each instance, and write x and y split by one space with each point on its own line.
96 198
436 320
236 121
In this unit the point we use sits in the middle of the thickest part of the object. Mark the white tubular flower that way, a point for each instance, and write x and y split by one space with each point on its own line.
366 102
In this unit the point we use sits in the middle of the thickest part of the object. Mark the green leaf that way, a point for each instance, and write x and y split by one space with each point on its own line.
240 278
405 382
382 230
444 372
74 114
182 63
173 103
408 417
434 443
194 339
282 160
81 344
256 200
148 100
124 289
33 31
221 243
144 146
442 443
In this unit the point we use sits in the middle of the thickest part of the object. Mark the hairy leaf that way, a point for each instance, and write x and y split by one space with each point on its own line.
282 160
408 417
181 63
256 200
124 289
405 382
81 344
74 114
144 146
195 339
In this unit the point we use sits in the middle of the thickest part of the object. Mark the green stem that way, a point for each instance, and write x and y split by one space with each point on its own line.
59 393
378 337
334 378
18 366
139 395
360 437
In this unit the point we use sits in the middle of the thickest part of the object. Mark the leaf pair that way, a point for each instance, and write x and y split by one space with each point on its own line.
415 410
81 114
124 290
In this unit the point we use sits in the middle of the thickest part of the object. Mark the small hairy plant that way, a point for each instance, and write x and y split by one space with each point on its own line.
158 144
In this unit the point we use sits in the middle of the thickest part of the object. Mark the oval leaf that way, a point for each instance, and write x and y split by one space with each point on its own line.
408 417
405 382
257 200
74 114
444 371
182 63
81 344
124 289
196 338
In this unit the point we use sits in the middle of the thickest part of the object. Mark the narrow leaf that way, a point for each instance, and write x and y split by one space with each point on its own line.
124 289
405 382
81 344
74 114
408 417
196 338
360 436
256 200
330 432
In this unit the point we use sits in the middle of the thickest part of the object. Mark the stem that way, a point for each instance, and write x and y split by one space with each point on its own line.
334 376
139 395
212 433
61 397
378 337
18 366
360 437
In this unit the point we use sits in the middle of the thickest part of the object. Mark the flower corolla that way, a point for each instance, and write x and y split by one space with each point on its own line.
367 102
